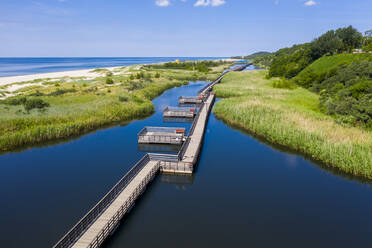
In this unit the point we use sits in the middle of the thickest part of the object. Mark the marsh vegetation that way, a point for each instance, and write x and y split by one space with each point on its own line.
72 106
293 118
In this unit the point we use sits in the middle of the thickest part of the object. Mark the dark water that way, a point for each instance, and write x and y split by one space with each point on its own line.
24 66
244 193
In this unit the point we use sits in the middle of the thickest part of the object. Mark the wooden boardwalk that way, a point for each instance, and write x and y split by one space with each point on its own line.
105 216
110 218
192 151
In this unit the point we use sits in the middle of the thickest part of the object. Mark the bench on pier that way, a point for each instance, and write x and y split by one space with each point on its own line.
179 112
161 135
190 100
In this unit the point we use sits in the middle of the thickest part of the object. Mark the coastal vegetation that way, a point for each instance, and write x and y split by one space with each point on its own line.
200 66
292 118
315 98
329 67
51 109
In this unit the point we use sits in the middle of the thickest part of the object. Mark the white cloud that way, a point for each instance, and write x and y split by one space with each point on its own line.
218 2
162 3
213 3
202 3
310 3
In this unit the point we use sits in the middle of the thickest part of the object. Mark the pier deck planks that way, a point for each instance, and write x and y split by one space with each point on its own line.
94 230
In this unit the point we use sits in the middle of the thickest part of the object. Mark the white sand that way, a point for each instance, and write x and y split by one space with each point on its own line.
77 73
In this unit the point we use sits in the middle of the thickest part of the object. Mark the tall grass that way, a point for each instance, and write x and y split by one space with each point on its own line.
292 118
79 106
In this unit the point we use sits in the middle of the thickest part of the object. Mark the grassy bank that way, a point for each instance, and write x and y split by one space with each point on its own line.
292 118
60 108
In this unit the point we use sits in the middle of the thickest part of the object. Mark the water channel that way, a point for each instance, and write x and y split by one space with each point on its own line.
245 192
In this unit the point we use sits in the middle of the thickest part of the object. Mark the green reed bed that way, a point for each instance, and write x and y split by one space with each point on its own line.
73 107
292 118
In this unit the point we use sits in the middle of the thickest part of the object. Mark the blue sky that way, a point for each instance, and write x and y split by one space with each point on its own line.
169 27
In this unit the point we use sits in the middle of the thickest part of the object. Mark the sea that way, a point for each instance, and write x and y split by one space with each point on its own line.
27 66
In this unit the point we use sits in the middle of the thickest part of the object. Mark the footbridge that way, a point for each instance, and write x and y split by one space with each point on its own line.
102 220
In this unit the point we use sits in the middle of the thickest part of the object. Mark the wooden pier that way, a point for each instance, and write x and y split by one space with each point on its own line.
92 230
178 112
161 135
190 100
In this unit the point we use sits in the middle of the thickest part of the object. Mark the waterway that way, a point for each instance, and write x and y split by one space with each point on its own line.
245 192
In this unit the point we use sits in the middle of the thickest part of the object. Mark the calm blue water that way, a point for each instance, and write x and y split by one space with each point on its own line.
245 193
25 66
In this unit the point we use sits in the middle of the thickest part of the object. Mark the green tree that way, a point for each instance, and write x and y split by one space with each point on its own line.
367 41
328 43
350 38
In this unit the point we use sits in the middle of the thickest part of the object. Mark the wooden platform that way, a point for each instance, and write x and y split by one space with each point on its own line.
161 135
189 100
178 112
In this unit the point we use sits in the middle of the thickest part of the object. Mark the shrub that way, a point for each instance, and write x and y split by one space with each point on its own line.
109 74
140 75
109 80
123 98
35 103
157 75
135 86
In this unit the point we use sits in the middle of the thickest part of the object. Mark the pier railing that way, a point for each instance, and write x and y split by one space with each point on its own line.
163 157
183 149
70 238
210 85
192 128
113 222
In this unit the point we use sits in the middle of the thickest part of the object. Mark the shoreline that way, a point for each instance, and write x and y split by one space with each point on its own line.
76 73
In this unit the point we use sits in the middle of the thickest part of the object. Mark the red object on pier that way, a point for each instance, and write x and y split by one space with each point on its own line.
180 130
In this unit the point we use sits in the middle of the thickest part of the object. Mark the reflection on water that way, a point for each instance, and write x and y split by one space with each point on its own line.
159 148
182 180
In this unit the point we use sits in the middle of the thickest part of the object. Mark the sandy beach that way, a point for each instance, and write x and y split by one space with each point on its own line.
75 73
